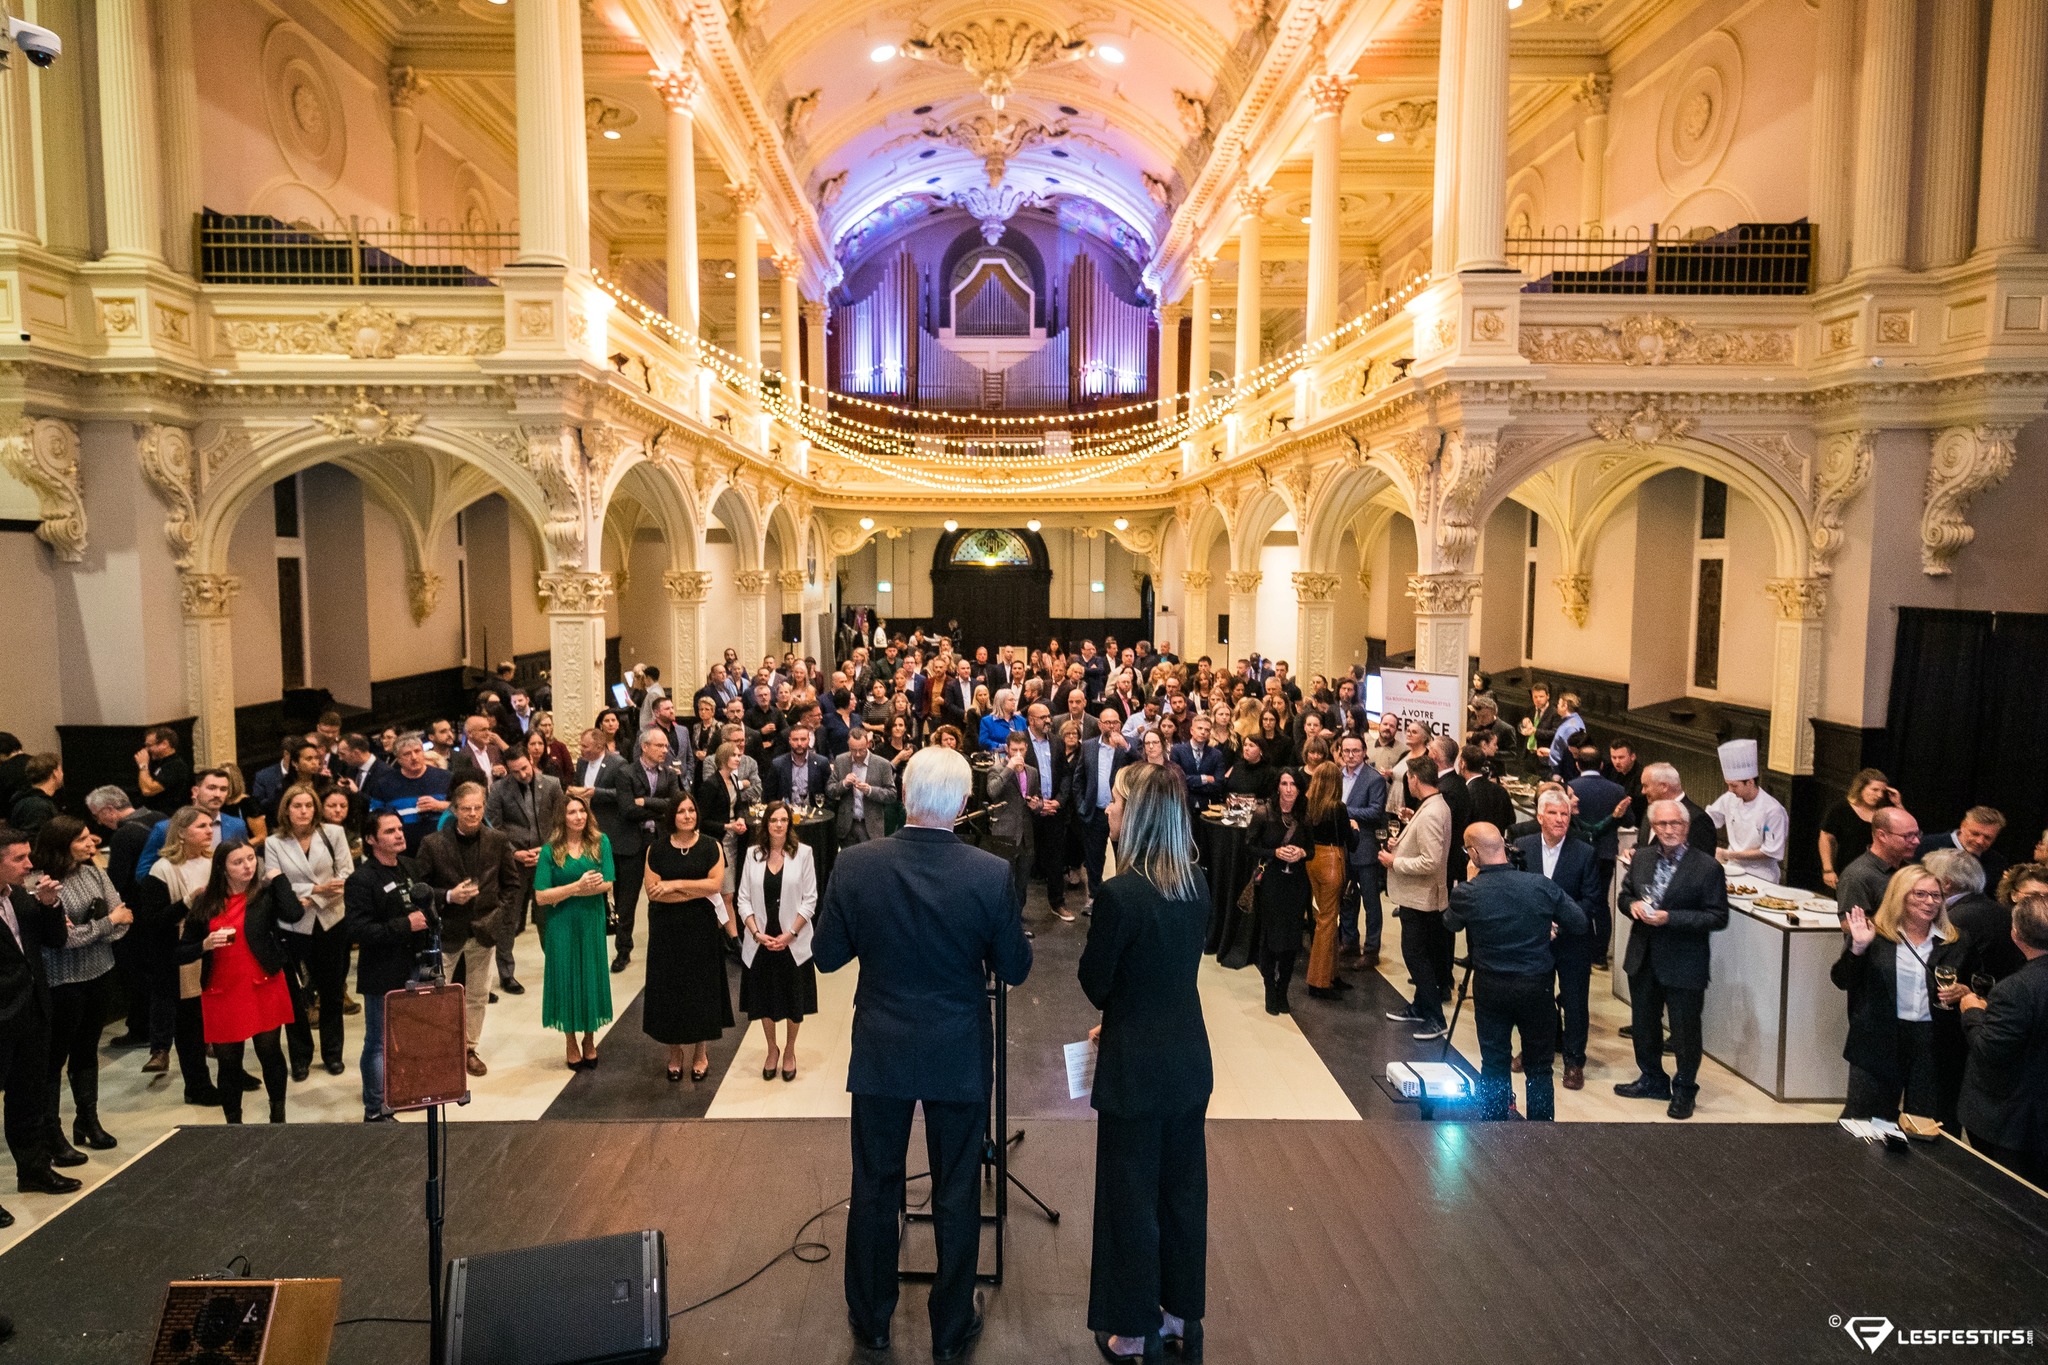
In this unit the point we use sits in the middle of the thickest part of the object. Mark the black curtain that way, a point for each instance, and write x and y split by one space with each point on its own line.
1964 719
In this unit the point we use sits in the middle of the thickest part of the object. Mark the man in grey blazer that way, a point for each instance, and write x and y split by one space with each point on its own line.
522 806
863 785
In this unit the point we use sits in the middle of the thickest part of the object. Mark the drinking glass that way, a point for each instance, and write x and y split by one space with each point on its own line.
1944 977
1981 984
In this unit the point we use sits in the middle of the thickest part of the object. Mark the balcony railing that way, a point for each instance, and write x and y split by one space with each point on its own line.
1749 258
250 248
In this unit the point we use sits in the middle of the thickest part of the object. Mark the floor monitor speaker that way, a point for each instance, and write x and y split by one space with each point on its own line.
246 1322
603 1301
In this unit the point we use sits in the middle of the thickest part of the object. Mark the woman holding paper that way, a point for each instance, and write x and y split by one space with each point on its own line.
1152 1077
778 901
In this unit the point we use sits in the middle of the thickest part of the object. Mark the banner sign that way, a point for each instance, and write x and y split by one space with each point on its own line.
1432 698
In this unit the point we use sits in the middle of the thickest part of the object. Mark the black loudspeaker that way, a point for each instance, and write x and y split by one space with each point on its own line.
1222 632
246 1322
792 627
603 1301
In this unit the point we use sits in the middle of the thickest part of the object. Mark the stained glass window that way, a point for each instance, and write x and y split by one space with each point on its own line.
991 548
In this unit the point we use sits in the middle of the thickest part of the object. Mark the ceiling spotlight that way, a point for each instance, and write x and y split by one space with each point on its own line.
1514 4
951 525
731 275
1113 55
765 315
885 586
1032 525
884 53
1122 523
1382 137
1305 220
612 134
1214 316
1095 587
867 523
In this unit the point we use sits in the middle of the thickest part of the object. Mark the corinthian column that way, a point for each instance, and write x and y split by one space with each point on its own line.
17 166
575 612
207 600
1315 604
1194 626
788 316
1483 138
1834 115
1200 268
816 320
1170 315
537 51
1953 90
407 86
1244 609
1324 208
1593 93
1884 146
576 136
1443 625
746 268
1795 672
753 586
687 590
128 130
2008 196
177 102
1444 201
679 92
1251 201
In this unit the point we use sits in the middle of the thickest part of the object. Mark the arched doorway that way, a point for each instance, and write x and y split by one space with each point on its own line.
997 583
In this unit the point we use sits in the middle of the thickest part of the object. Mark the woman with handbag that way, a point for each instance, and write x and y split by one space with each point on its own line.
80 975
313 858
571 881
1282 895
688 1001
1905 1032
162 898
233 930
778 902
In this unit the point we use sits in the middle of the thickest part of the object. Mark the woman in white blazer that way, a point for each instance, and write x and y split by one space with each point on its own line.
313 856
778 899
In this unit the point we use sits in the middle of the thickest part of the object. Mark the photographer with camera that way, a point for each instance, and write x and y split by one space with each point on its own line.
393 918
471 865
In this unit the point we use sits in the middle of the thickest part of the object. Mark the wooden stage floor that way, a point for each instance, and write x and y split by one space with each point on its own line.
1329 1241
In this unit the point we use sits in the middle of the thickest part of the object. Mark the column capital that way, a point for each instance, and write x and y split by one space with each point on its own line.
1329 90
1171 313
791 580
1251 199
1576 591
744 194
1443 594
678 89
207 596
1196 580
406 85
1244 582
786 263
816 312
1594 90
1798 599
751 582
1315 587
575 592
686 586
1201 267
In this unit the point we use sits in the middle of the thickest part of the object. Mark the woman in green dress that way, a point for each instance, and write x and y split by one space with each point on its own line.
570 883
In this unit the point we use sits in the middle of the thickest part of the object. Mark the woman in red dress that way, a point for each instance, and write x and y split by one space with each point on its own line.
232 928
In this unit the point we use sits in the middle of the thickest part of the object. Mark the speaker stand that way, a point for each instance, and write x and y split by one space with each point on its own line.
437 1213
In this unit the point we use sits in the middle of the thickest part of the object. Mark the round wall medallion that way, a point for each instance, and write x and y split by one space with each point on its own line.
1698 118
304 106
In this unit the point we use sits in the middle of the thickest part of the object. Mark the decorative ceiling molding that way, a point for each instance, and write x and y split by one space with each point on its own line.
996 51
996 139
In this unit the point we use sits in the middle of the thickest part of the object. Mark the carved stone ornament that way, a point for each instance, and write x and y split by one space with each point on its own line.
423 592
1966 462
203 596
997 51
1251 199
790 580
1409 120
1328 90
42 452
1798 599
993 207
1468 463
1443 594
165 453
830 188
1196 580
1576 592
1646 427
751 582
361 332
1594 90
1845 463
1656 339
1315 587
995 138
573 592
798 113
678 89
1193 112
687 587
406 84
367 423
1244 582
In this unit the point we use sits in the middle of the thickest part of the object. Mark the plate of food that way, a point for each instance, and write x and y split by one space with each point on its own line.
1778 903
1742 889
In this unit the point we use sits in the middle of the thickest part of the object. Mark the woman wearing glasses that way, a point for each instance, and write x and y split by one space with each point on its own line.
1905 1048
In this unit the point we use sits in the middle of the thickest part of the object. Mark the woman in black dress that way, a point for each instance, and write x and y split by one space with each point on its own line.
778 901
688 999
1281 904
1252 774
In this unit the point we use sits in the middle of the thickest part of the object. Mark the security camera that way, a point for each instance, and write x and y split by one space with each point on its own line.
38 44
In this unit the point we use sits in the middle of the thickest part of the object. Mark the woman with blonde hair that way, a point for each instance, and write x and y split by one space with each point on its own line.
177 876
1244 723
570 882
1905 1032
1153 1075
313 858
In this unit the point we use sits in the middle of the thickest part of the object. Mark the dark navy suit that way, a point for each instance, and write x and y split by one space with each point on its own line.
780 779
931 919
1365 801
1091 813
1204 775
1578 875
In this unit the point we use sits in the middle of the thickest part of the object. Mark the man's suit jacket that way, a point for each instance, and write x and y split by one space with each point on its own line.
957 700
1577 872
1697 899
782 775
640 802
24 990
526 819
441 865
1009 819
881 794
1700 833
1205 775
2005 1082
997 677
1489 801
1365 802
931 919
1084 779
604 798
1095 676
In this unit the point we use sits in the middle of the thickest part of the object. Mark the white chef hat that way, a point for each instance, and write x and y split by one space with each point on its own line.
1738 760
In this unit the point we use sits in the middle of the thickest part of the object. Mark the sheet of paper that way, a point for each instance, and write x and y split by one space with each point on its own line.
1080 1069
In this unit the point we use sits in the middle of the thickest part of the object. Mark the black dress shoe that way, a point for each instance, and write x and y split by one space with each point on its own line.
619 963
1643 1088
1324 993
6 1221
207 1098
86 1132
865 1341
45 1182
251 1083
510 985
301 1070
1339 983
336 1068
1681 1102
127 1040
961 1347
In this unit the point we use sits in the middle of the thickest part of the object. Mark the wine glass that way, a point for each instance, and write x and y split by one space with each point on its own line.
1944 977
1981 984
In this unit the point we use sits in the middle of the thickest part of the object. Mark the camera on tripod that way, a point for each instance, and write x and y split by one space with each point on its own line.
426 968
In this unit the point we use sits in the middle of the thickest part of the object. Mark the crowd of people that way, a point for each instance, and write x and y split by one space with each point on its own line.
208 913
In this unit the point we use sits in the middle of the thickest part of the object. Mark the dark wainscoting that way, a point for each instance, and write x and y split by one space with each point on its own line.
410 702
99 755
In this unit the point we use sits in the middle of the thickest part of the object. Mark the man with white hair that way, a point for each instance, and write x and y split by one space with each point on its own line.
1677 896
1758 826
1661 782
931 920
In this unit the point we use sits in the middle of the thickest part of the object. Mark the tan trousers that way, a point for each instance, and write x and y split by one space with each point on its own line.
1326 883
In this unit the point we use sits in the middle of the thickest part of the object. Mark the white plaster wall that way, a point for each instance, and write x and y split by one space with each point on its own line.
1600 648
1501 546
1749 621
33 681
398 648
252 557
1667 511
1279 620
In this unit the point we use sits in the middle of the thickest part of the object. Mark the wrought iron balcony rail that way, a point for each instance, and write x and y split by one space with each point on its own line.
254 248
1749 258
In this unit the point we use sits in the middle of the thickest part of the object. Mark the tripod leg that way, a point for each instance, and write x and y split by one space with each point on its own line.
1457 1008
